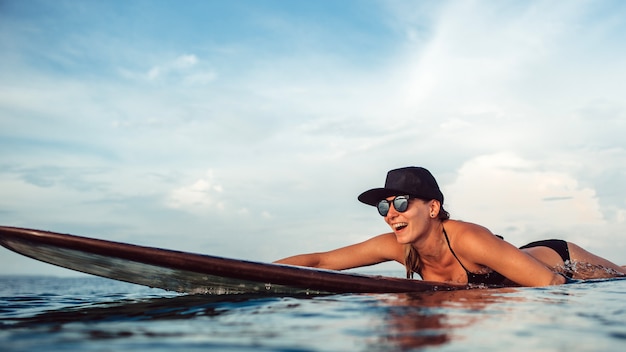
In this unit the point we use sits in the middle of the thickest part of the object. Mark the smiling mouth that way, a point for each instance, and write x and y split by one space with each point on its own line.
399 226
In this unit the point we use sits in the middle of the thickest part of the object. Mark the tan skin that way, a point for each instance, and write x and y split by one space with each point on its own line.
475 246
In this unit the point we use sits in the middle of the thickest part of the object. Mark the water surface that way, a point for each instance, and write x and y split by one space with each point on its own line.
96 314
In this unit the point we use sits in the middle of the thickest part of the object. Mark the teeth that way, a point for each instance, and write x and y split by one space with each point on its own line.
399 225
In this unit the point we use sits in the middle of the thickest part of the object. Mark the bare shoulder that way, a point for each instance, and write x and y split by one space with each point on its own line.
471 239
386 246
466 231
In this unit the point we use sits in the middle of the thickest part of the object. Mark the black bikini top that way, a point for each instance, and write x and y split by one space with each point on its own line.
491 278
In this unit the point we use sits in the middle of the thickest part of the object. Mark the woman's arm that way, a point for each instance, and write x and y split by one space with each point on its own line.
480 246
373 251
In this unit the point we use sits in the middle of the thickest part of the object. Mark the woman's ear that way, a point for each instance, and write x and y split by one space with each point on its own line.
434 207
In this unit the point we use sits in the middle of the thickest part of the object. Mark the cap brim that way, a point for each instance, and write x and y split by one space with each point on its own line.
373 196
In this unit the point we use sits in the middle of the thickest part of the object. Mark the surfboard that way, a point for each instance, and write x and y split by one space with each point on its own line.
196 273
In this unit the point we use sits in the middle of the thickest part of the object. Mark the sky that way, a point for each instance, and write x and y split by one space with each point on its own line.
246 129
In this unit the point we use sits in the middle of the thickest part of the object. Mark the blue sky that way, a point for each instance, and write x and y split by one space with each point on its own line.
246 129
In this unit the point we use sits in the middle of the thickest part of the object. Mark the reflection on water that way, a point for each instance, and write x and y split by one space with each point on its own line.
429 319
155 309
92 315
405 321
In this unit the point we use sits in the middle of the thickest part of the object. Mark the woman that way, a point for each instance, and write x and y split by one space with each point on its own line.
429 243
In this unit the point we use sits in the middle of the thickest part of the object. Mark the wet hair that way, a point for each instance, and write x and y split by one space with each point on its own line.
411 257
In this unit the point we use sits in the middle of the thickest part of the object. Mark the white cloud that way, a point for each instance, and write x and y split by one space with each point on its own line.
296 135
187 69
180 63
522 199
198 197
185 61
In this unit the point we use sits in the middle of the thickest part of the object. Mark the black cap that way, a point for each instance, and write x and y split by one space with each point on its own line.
413 181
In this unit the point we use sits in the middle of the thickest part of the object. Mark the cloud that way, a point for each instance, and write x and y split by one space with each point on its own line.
181 71
516 107
179 64
523 199
201 196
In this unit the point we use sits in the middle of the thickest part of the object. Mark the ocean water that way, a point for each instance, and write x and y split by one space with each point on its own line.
96 314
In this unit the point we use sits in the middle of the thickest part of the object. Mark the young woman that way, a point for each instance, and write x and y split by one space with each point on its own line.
429 243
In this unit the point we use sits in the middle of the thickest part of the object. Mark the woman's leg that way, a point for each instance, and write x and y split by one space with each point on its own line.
590 266
581 264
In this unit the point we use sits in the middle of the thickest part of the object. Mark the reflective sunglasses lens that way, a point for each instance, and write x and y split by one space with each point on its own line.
401 203
383 207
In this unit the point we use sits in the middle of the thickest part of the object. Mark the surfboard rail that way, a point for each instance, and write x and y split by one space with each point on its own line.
196 273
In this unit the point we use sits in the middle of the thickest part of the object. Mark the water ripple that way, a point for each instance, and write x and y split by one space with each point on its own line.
98 314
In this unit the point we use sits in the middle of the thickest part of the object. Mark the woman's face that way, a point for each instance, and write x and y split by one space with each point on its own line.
409 225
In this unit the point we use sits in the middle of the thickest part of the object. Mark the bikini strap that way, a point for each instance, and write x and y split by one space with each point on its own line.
445 234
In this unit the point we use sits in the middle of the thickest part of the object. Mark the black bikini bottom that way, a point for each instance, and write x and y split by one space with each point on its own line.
558 246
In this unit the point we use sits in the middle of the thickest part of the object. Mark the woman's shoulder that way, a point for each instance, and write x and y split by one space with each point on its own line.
386 245
387 240
465 228
472 241
468 235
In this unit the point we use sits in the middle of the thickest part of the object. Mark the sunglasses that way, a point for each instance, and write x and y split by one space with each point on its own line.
400 203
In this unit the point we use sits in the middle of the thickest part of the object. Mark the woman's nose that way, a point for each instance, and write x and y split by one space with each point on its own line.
392 213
